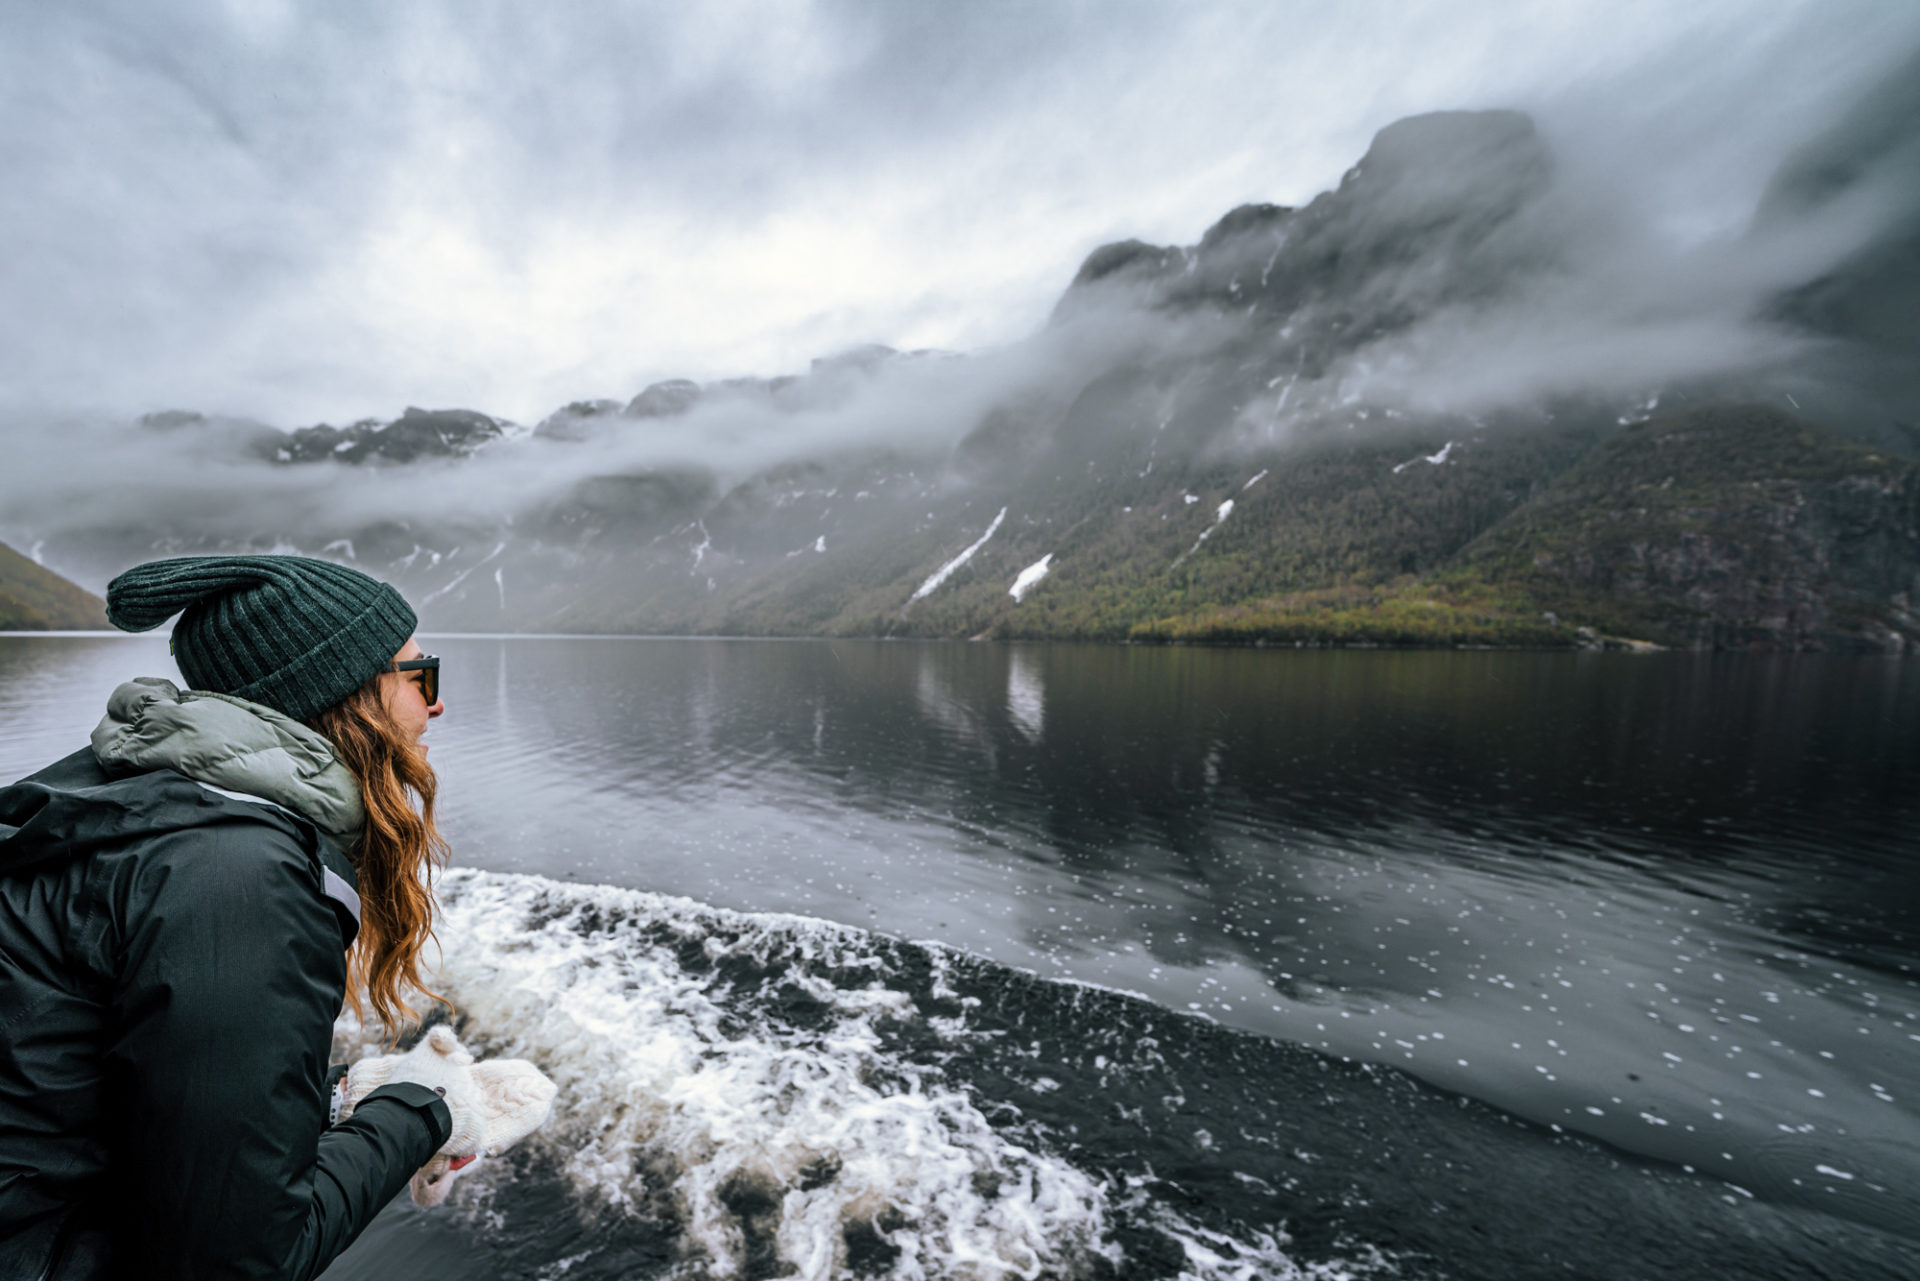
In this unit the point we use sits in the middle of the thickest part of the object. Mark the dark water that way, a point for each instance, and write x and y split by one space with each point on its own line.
1461 964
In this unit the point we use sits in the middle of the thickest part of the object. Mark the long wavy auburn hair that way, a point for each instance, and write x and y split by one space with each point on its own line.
395 857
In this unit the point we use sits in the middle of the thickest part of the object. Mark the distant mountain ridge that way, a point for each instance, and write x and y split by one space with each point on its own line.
1237 441
34 599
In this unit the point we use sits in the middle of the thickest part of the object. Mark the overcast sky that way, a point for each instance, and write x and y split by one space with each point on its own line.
327 211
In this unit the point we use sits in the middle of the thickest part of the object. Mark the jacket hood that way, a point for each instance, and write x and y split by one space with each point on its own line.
229 743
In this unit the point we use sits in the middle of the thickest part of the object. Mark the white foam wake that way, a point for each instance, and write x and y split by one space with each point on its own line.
667 1075
736 1068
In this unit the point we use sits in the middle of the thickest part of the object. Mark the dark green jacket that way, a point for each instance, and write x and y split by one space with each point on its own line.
172 958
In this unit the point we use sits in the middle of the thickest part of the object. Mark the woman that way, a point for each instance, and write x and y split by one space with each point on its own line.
183 907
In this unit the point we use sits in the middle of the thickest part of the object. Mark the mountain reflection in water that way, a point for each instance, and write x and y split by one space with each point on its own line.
1666 901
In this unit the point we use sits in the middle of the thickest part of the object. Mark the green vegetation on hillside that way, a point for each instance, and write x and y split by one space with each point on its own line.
1723 525
1708 527
1330 516
33 599
1408 613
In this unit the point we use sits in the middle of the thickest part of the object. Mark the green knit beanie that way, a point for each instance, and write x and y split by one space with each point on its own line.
296 634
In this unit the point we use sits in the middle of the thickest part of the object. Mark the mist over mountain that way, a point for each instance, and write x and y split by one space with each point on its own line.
1419 408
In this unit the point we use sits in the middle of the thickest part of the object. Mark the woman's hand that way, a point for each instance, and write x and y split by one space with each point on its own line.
493 1105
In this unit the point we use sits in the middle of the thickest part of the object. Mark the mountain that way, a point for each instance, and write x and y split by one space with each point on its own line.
1863 171
1426 407
417 433
1723 526
33 599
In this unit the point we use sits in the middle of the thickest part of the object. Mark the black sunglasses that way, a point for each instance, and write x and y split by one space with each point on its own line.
428 665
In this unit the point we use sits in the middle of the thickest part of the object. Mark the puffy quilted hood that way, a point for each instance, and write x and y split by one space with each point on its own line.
230 743
110 793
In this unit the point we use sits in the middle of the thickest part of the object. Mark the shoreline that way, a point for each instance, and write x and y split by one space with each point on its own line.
1600 643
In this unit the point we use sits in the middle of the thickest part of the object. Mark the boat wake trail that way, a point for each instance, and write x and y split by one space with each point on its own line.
761 1096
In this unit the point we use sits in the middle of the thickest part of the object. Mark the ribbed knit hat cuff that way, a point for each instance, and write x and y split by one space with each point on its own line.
338 664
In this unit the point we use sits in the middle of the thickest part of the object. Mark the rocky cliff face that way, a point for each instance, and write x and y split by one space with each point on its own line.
416 434
1434 214
1864 300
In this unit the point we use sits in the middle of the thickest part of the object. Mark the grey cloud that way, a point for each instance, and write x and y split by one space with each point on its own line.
94 480
201 190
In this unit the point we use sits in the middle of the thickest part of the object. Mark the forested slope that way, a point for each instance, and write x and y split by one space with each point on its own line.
36 599
1722 526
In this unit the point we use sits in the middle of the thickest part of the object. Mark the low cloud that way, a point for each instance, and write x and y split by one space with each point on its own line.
74 475
303 213
1666 246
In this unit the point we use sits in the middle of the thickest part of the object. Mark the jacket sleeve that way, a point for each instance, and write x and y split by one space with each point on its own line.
230 976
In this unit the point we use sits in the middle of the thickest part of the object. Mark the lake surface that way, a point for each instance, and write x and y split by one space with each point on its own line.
1618 922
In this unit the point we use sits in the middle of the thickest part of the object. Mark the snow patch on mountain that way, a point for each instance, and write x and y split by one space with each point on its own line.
1435 459
1030 576
460 577
1220 513
941 574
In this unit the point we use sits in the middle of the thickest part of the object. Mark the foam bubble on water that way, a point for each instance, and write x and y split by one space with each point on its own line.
768 1129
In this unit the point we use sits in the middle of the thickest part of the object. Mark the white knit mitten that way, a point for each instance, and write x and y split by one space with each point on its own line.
493 1105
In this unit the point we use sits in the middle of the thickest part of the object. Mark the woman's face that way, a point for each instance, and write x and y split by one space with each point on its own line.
406 702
